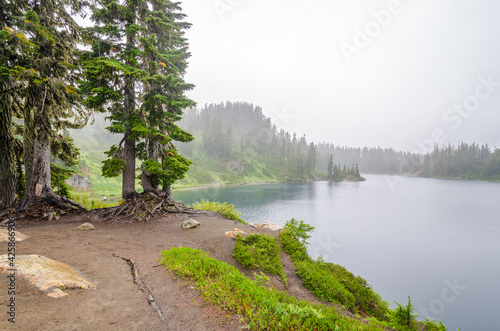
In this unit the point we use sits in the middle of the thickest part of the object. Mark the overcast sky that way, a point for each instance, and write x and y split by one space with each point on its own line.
368 72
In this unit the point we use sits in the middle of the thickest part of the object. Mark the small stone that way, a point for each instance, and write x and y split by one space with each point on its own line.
190 224
231 234
235 233
254 225
85 226
271 226
55 293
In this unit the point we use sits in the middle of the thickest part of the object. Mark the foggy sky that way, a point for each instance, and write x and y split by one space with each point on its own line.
400 74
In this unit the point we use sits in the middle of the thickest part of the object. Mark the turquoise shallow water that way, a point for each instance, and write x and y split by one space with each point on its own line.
435 240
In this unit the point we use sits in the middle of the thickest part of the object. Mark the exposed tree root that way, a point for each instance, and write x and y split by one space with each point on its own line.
144 209
137 280
46 208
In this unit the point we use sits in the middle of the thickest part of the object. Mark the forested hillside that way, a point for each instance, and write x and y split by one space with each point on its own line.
237 143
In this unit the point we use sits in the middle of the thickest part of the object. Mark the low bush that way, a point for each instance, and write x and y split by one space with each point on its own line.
225 209
320 282
260 251
328 281
263 308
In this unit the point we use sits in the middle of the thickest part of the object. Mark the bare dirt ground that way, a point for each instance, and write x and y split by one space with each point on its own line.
117 303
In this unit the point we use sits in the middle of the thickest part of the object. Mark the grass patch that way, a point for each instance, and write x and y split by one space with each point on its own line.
260 251
92 202
328 281
263 308
225 209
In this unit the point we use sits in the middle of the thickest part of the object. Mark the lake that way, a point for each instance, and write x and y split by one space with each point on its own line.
435 240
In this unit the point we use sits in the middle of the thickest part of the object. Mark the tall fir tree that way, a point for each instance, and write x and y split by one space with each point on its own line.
165 57
135 71
45 74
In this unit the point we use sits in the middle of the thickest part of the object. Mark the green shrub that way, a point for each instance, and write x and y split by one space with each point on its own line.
262 279
403 318
225 209
366 298
263 308
299 230
323 284
293 247
260 251
432 326
328 281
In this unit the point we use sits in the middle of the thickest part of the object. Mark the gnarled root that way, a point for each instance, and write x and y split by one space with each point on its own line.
143 209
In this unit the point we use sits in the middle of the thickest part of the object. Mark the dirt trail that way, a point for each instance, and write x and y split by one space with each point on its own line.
118 303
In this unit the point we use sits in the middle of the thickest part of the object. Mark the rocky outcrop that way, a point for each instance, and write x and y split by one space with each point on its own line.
79 183
48 275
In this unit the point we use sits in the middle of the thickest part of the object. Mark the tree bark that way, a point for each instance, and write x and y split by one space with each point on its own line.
39 185
28 144
146 176
147 181
7 158
128 182
167 191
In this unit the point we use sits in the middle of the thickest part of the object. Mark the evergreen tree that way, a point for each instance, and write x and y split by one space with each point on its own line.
330 167
40 75
165 52
141 41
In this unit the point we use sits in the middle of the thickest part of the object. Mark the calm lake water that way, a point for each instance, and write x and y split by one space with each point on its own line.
435 240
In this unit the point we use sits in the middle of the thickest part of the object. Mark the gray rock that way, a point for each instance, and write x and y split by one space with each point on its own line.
190 224
79 183
85 226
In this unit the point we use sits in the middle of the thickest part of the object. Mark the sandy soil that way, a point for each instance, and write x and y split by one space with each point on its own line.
117 303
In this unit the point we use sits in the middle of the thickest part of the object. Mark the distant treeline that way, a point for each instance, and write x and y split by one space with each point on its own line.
230 130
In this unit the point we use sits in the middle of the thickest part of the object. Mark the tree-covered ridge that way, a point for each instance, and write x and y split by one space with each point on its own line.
240 130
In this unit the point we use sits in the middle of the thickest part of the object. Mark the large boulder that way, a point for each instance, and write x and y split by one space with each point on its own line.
48 275
4 235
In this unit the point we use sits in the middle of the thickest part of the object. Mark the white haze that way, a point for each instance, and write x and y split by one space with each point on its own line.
285 56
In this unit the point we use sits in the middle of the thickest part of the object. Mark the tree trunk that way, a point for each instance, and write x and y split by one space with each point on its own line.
128 182
146 176
38 170
28 145
40 186
147 181
167 191
7 159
